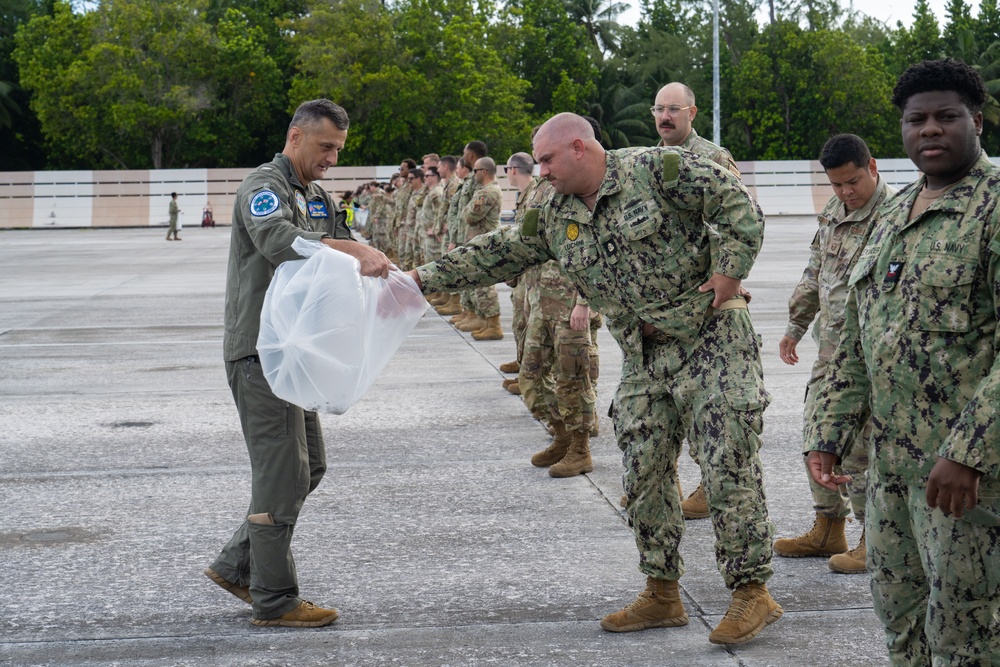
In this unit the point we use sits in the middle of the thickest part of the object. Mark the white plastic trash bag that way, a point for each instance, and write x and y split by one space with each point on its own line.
326 332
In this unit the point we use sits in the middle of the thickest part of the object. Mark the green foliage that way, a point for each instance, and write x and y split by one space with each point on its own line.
134 85
796 88
419 78
173 83
541 45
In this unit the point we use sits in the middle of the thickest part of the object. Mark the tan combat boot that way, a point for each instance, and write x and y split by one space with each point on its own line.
514 388
461 317
852 562
577 460
751 610
508 382
826 538
557 448
510 367
451 307
306 615
695 506
472 323
437 298
659 606
491 331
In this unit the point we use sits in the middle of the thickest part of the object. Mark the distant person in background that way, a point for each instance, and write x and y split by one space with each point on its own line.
174 212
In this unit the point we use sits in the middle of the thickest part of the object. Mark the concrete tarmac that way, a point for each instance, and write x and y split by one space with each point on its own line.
123 471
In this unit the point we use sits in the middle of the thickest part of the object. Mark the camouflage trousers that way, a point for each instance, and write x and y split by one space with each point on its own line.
431 250
555 372
519 304
935 580
485 301
712 391
851 496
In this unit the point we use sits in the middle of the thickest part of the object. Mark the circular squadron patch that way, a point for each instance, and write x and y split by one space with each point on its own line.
300 201
572 231
264 203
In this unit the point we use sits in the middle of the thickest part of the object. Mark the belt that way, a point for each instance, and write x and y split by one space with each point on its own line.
657 336
736 302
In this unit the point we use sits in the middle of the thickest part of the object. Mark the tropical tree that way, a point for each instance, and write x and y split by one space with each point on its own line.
600 18
795 88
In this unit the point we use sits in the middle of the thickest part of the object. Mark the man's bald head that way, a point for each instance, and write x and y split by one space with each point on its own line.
571 159
485 170
565 128
673 124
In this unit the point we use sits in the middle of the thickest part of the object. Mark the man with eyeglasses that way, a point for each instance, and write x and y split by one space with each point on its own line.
673 111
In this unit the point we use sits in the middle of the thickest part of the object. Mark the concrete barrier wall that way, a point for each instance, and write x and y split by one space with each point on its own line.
52 199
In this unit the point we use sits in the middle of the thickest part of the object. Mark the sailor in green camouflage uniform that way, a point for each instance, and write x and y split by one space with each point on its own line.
628 228
673 111
919 349
821 295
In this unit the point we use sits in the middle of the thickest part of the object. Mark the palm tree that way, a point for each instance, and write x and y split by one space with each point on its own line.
599 17
623 112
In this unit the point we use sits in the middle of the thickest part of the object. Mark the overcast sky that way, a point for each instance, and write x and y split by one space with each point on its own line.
889 11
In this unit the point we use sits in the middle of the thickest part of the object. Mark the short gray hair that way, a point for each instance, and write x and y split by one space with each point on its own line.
523 162
312 112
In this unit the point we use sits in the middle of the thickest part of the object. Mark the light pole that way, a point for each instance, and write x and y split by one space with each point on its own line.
716 103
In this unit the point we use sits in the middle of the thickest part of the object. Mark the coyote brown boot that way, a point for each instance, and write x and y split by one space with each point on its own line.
461 317
826 538
510 367
556 449
437 298
852 562
242 592
751 610
659 606
514 388
452 306
306 615
508 382
695 506
577 460
472 323
491 331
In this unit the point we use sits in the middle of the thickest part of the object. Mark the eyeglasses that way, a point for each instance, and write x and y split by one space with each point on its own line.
673 109
479 169
508 168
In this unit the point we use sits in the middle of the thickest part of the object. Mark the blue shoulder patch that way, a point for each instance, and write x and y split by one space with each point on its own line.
264 203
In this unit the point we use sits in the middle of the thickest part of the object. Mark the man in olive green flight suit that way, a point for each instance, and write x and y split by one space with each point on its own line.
629 228
277 203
